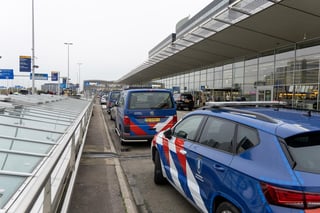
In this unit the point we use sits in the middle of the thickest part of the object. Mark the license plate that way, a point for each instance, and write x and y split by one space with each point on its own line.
152 120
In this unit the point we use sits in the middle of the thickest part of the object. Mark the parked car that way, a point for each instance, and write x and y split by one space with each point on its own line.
141 113
103 99
113 97
184 100
254 159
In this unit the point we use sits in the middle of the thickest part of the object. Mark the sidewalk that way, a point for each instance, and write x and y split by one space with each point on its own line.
97 187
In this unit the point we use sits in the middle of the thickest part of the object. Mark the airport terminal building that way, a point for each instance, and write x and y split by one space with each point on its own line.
241 49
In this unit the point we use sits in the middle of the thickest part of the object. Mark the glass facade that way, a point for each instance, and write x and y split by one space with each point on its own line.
288 74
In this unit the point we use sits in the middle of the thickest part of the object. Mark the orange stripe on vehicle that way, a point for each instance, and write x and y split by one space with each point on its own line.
312 210
166 150
136 129
179 143
169 125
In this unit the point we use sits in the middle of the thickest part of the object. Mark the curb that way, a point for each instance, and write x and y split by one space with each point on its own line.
124 188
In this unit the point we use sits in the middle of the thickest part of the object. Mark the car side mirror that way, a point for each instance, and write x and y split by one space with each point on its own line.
168 133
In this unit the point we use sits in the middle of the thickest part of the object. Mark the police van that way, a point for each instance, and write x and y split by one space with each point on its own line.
141 113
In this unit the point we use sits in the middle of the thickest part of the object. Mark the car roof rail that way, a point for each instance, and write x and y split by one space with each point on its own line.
214 104
250 114
230 106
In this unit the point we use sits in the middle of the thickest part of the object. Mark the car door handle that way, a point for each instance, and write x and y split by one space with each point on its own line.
183 152
218 167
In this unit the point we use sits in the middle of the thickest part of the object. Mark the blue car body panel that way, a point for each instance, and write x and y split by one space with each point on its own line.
202 174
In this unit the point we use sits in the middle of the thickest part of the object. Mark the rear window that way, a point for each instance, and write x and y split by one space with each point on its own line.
150 100
115 95
186 96
304 150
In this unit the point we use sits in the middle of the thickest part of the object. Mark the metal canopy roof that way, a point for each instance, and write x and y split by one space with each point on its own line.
31 128
242 29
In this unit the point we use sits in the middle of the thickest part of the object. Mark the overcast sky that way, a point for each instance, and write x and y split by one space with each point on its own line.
110 38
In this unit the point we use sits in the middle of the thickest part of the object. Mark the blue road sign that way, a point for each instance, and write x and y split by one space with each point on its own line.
63 86
39 76
25 63
6 74
54 76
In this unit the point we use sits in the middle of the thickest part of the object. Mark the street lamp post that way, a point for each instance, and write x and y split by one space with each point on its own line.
79 82
33 51
68 44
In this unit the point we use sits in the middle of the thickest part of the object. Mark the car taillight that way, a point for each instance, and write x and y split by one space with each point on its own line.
126 120
290 198
175 119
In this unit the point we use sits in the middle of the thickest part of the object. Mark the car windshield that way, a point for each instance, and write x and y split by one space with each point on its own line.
304 150
150 100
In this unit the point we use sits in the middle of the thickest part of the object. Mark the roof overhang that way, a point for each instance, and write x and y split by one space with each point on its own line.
284 23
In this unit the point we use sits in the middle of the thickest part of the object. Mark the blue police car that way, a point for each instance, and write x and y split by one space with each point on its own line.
143 112
243 159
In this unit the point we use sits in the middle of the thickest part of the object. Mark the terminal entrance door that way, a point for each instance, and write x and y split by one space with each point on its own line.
264 93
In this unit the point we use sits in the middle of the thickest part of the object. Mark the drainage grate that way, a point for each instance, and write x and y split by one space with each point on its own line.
112 155
99 155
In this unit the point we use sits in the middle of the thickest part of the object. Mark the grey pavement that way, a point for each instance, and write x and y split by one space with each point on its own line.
100 185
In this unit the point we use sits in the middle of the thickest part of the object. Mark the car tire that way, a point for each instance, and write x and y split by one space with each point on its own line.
227 207
158 176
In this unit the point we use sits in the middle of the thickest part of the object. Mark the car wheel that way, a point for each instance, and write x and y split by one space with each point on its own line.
158 176
226 207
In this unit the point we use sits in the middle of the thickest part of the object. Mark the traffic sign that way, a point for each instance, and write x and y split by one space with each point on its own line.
54 76
6 74
39 76
25 63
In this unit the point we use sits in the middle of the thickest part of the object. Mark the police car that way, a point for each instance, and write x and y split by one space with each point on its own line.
254 158
143 112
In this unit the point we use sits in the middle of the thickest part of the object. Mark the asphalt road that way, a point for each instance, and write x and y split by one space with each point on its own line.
138 167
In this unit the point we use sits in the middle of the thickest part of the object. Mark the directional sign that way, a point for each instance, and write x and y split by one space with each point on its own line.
6 74
25 63
39 76
63 86
54 76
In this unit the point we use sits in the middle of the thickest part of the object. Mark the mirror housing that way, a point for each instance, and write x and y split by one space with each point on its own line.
168 133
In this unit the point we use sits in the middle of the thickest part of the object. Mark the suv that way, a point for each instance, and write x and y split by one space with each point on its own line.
141 113
252 159
184 100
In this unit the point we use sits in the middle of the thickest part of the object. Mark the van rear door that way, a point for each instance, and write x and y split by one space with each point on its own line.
150 111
